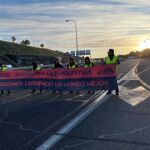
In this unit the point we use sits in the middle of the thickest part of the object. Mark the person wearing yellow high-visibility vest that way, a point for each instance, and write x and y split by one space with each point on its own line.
112 59
88 63
72 65
4 68
36 67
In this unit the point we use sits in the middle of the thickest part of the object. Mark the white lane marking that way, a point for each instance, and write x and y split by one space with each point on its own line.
55 98
129 76
120 75
141 81
134 96
137 95
107 136
49 143
20 126
144 71
75 97
91 98
125 133
16 99
138 78
74 122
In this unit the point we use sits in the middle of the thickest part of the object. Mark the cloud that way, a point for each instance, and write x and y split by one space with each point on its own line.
113 20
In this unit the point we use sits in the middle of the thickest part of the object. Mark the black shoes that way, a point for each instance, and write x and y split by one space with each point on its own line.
32 92
117 93
9 94
91 92
108 93
2 94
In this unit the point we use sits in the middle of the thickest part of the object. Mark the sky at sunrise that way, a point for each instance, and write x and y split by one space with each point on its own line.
118 24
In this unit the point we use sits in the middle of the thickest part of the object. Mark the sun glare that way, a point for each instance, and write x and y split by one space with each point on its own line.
145 44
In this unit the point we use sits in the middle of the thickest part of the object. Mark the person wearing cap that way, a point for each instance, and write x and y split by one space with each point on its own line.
36 67
57 65
88 63
72 65
4 68
112 59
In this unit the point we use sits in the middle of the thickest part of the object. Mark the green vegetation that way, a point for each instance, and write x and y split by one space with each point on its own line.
22 49
138 54
42 45
25 42
141 54
13 39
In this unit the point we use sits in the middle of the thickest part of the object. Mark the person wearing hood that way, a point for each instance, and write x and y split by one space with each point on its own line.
57 65
36 67
88 63
72 65
112 59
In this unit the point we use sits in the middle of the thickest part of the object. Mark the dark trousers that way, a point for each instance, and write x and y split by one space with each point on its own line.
33 90
117 90
2 92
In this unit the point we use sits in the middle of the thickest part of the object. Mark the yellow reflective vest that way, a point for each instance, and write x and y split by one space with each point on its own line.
73 66
88 65
113 61
4 68
38 68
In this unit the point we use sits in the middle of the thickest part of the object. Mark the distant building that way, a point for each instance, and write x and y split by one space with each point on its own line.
81 53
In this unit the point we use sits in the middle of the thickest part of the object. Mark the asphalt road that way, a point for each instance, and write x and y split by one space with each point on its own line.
26 120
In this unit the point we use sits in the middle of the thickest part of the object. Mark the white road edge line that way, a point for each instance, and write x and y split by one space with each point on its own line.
74 122
141 81
16 99
50 142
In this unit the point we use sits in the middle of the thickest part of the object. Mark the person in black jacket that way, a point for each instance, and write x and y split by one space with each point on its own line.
72 65
88 63
57 65
36 67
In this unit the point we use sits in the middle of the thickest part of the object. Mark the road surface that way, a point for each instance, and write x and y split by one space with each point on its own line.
81 122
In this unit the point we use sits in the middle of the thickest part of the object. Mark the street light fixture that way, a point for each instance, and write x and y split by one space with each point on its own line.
76 34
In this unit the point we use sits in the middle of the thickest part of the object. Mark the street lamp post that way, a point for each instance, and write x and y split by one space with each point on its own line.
107 42
76 34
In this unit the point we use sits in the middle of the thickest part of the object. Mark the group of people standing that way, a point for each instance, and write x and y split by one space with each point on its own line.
110 59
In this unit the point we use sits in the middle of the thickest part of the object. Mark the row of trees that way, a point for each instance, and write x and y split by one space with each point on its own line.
140 54
25 42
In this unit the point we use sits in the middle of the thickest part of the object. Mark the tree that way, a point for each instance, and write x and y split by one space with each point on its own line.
22 42
41 45
27 42
13 39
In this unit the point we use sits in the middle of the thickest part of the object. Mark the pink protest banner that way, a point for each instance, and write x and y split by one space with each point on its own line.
22 79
